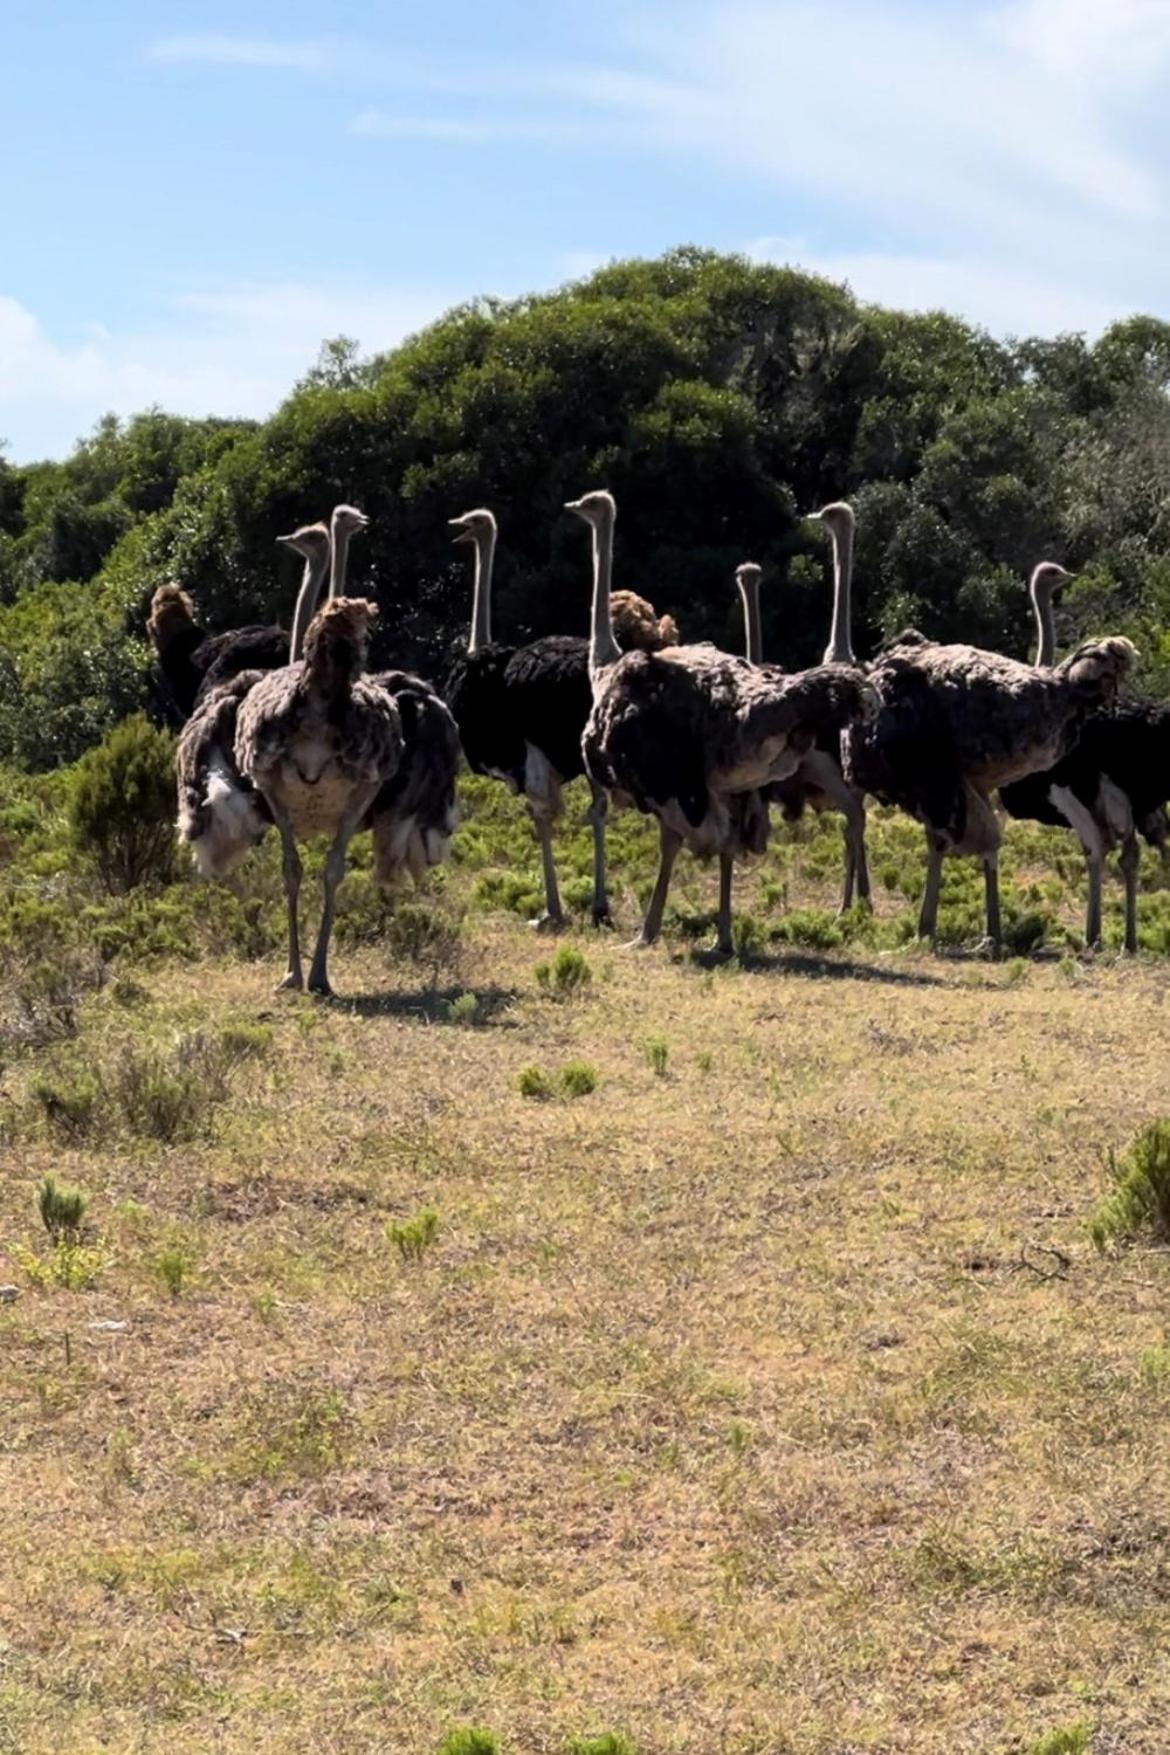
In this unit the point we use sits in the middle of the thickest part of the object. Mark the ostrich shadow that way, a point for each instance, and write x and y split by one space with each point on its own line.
432 1005
819 968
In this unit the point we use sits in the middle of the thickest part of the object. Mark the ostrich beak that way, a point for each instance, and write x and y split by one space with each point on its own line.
575 507
466 534
287 541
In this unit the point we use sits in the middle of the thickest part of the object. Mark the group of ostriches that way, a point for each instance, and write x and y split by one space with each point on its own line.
298 734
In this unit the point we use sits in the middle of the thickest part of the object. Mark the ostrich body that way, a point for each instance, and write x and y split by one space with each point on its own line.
413 816
221 814
192 661
319 739
1110 788
521 710
819 782
685 732
955 723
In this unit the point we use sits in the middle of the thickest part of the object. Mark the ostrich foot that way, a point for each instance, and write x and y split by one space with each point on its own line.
603 917
641 943
547 922
293 982
319 985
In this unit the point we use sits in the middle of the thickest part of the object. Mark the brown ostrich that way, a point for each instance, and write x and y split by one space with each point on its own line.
819 783
684 733
221 815
955 723
1113 785
319 740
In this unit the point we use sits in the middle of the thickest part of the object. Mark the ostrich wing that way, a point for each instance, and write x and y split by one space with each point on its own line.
223 656
550 698
423 786
475 691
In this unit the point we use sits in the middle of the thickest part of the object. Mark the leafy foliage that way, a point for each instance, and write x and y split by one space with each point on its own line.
1139 1202
123 805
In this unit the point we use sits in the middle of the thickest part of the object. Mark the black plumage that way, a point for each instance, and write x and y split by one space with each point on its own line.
192 662
413 816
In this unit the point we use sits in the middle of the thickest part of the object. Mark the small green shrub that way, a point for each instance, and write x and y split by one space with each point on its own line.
471 1741
534 1082
62 1210
1074 1740
173 1267
122 805
1154 1365
291 1431
609 1743
567 974
463 1009
423 935
1139 1203
244 1040
413 1237
172 1094
657 1053
813 928
577 1078
72 1099
71 1267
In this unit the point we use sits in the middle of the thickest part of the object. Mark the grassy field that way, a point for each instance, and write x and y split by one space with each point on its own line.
711 1356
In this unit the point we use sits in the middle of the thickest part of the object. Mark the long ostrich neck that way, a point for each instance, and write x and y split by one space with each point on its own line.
339 565
603 648
308 597
481 600
753 632
840 647
1045 624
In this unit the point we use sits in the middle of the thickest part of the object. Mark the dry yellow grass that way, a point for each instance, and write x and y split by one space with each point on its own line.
776 1403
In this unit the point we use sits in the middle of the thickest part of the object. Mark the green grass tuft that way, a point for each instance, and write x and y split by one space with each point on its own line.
1139 1203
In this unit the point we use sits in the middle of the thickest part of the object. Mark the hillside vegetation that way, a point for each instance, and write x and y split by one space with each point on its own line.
718 399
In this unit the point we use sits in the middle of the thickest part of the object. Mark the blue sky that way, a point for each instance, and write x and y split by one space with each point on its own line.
195 196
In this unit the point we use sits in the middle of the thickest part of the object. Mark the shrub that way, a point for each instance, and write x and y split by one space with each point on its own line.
173 1267
1139 1202
609 1743
463 1009
171 1095
292 1431
73 1267
122 806
1074 1740
568 973
469 1742
577 1079
657 1051
72 1099
413 1237
425 936
534 1082
62 1210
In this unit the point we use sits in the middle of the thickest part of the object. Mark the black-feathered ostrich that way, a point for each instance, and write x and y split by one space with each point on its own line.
956 723
521 710
192 662
1111 787
687 732
819 782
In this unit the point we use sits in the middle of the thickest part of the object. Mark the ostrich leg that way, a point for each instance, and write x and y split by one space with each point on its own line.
669 844
553 915
334 872
291 870
597 815
1095 861
928 913
991 895
1130 858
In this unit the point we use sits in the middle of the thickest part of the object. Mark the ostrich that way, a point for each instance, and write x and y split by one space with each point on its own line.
819 783
521 710
319 740
193 662
955 723
685 732
221 815
1110 788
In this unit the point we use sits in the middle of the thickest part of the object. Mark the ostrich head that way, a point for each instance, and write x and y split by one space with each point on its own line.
1097 670
748 575
838 515
476 526
339 634
171 611
348 521
1047 578
597 509
637 625
311 540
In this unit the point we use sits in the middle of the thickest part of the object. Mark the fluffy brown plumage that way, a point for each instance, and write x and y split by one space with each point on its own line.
319 739
685 732
955 722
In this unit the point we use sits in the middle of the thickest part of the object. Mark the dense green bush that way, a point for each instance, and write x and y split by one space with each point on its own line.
122 809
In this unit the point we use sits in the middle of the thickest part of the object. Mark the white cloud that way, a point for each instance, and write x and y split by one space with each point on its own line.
225 51
458 130
1103 42
229 350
